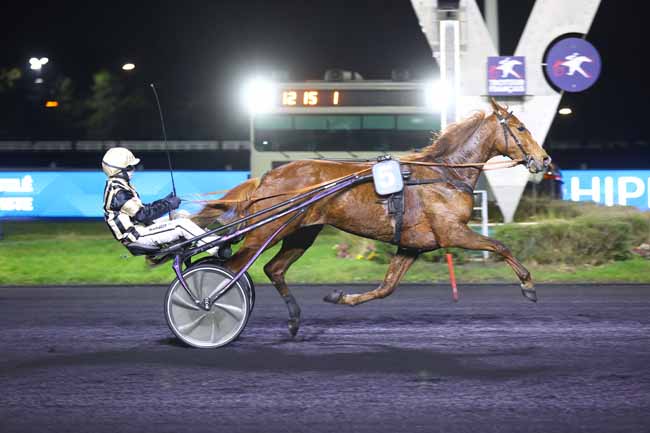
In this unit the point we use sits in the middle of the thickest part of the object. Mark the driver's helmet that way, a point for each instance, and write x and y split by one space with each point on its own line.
118 160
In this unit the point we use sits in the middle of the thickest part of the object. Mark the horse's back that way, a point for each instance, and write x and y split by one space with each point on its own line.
304 173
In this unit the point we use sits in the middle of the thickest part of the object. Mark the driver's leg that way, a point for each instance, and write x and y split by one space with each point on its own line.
164 232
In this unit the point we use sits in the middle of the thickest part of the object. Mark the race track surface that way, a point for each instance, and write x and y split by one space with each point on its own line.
103 360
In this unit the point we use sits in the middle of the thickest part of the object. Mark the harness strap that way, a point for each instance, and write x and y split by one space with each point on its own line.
396 209
457 183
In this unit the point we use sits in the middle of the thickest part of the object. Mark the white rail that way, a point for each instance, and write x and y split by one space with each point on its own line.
484 216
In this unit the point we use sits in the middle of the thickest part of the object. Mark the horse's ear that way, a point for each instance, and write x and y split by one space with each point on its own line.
495 105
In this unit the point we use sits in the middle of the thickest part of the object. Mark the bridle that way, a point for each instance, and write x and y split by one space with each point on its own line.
508 132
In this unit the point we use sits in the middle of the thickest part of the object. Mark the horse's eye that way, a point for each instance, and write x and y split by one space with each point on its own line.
521 128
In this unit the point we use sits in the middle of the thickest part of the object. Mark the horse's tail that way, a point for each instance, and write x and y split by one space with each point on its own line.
229 207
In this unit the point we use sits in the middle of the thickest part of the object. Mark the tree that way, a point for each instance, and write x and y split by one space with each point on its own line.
112 111
9 77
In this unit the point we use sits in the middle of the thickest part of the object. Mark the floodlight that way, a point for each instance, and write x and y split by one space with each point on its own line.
44 60
436 95
565 111
258 95
128 67
34 64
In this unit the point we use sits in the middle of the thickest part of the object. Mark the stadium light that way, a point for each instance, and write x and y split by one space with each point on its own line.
258 95
35 64
128 67
436 95
51 104
565 111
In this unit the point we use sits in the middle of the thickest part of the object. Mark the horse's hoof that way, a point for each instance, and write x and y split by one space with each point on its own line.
530 294
334 297
294 326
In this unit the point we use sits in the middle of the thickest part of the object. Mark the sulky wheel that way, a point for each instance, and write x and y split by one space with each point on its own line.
246 280
207 329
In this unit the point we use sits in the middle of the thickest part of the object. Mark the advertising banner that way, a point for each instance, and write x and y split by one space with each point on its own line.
506 76
608 187
79 194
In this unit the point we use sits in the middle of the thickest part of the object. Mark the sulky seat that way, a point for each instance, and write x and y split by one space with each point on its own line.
141 250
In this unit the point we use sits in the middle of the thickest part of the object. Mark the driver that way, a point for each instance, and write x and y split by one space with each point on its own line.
135 223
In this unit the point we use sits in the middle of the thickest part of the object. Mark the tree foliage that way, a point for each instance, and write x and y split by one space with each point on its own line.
113 110
8 78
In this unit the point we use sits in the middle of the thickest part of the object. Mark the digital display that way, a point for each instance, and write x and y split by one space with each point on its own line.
351 98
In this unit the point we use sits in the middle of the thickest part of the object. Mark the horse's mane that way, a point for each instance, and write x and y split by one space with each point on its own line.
447 141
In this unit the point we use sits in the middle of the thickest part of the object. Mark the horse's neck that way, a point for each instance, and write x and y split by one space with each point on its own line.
477 149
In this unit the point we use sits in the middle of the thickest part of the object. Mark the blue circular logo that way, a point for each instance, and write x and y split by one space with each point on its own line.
573 64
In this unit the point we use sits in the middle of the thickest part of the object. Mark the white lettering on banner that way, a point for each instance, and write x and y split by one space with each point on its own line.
26 184
609 191
594 192
624 194
22 204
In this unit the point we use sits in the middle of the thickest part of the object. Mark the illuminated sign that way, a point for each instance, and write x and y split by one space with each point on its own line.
306 98
79 194
608 187
352 98
506 76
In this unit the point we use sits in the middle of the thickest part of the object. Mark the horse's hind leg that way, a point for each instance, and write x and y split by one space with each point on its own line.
293 247
398 266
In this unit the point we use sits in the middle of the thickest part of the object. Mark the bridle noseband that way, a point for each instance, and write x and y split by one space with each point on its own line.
508 132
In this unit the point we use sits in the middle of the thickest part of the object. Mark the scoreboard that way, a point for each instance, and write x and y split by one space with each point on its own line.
351 98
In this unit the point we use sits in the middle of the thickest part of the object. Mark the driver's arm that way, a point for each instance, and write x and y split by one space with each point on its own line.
124 201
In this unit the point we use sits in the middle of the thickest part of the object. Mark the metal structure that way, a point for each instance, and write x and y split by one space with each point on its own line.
548 20
207 306
340 119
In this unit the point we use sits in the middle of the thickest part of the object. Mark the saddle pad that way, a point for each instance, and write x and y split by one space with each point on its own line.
387 177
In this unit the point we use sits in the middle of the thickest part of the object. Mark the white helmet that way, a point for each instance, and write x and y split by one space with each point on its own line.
118 160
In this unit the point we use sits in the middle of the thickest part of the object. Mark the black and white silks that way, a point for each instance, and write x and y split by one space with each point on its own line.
132 221
123 209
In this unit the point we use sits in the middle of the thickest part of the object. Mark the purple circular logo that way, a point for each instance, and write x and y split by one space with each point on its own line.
573 64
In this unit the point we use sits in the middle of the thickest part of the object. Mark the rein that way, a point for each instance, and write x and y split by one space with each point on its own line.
495 165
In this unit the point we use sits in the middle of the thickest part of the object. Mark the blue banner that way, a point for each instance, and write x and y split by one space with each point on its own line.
79 194
608 187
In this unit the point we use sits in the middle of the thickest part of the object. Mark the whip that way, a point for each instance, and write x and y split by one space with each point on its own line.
162 124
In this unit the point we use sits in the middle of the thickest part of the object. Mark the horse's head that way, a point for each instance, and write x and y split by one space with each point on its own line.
515 141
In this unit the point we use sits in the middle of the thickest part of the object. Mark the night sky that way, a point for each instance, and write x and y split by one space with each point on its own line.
199 52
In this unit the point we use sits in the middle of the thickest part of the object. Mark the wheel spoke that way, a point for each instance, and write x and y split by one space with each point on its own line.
191 326
236 312
183 303
201 280
219 287
213 328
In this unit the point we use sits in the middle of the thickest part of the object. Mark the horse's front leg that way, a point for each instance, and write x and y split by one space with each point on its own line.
463 237
398 266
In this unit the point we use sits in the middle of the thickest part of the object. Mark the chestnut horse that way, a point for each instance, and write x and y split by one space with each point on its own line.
436 214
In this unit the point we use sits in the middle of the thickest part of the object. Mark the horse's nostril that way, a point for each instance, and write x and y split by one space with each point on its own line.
547 161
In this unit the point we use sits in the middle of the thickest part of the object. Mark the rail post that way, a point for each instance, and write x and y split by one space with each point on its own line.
484 217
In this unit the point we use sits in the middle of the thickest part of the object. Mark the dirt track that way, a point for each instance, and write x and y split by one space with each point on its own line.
103 360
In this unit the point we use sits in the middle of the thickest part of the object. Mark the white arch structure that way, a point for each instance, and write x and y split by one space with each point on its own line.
461 43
